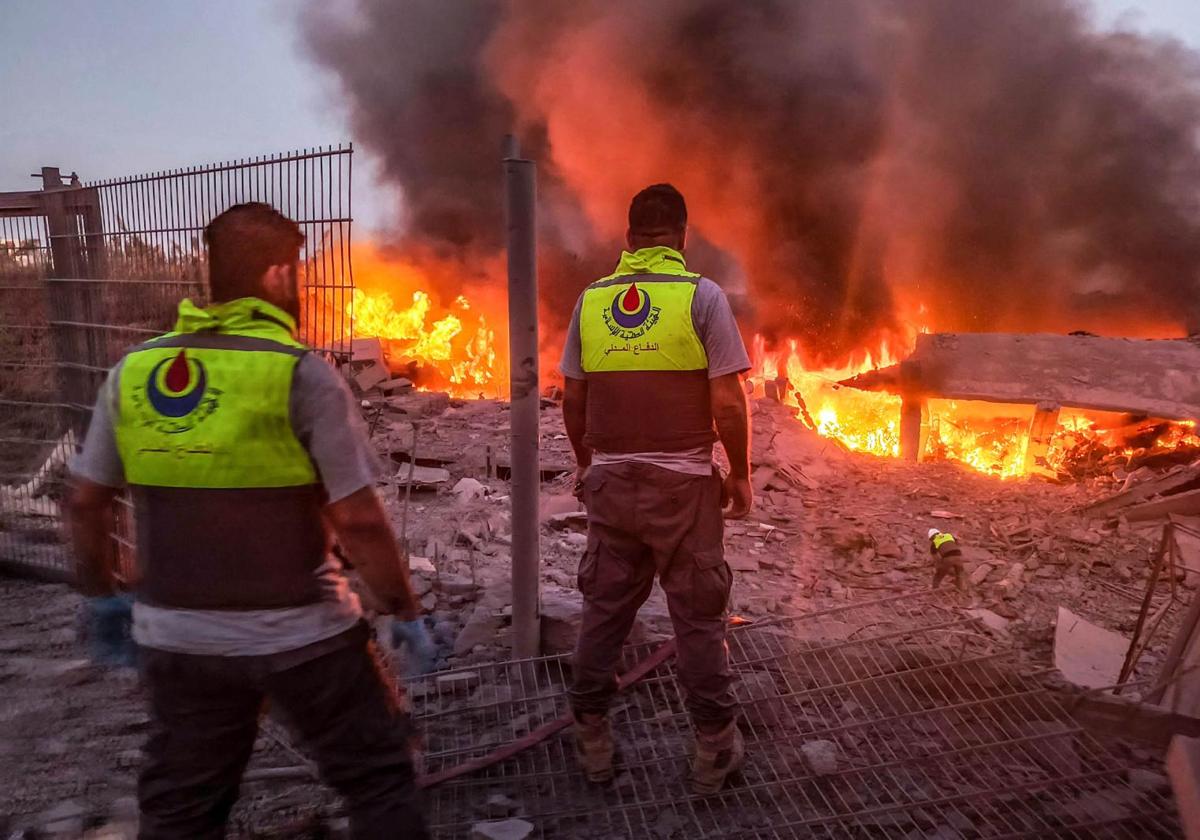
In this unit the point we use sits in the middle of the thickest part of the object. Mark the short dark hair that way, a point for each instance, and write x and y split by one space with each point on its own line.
656 210
245 241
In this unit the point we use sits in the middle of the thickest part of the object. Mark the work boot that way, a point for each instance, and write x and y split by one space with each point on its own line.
594 746
718 754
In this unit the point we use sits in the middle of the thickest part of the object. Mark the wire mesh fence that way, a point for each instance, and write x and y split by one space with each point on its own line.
893 719
89 270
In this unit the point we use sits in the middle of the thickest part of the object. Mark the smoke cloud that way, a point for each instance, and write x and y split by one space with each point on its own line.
1005 165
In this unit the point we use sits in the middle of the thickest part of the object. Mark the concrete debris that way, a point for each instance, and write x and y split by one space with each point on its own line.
1013 582
991 620
371 375
396 386
980 573
456 585
366 350
421 565
821 757
502 830
1086 654
423 478
480 629
468 490
571 519
561 615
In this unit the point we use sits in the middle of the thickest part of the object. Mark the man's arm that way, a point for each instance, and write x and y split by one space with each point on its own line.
326 419
729 410
362 527
575 419
96 476
89 520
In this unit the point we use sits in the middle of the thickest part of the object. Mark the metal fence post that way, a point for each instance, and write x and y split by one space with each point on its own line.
520 199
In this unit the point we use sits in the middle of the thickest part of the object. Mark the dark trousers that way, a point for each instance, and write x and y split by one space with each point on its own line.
204 721
949 564
644 520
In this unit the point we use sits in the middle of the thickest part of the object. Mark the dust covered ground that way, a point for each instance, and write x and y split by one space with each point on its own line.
828 528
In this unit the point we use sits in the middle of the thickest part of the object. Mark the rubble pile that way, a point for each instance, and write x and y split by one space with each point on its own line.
829 528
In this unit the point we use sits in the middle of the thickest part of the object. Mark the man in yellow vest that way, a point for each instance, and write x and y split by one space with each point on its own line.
237 446
947 558
653 363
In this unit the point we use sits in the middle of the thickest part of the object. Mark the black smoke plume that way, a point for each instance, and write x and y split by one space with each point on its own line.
1005 164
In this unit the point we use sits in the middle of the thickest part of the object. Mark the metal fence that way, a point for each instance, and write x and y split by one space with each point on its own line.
88 270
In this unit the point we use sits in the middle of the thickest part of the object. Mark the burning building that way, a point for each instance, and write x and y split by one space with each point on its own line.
859 174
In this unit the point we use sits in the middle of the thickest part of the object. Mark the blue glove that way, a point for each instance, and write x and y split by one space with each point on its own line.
109 630
422 652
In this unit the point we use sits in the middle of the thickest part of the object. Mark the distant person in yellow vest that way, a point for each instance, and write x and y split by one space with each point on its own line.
237 444
947 558
653 364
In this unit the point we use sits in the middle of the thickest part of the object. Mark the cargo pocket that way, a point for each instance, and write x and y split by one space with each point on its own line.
593 480
711 582
586 578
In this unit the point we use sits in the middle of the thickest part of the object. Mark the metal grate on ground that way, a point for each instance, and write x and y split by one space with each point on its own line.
929 729
89 270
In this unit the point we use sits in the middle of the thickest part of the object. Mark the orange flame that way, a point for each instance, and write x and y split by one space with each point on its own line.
447 348
992 439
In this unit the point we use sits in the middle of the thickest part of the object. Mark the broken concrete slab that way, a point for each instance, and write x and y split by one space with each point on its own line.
396 386
468 489
1160 378
1183 504
370 376
423 478
1176 480
480 629
1086 654
366 350
421 565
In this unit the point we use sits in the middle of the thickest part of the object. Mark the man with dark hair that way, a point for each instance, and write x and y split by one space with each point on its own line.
238 446
653 363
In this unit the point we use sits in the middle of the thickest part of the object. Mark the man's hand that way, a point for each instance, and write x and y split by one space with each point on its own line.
108 628
737 497
366 536
422 652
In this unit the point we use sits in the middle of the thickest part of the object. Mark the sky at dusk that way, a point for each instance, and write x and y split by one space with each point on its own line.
127 86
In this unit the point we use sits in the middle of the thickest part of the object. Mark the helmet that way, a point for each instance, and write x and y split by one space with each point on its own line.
933 532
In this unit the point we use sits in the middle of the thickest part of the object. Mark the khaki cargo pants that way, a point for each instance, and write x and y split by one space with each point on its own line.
644 520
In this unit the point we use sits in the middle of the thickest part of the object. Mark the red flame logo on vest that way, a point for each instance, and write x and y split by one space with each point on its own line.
631 307
182 386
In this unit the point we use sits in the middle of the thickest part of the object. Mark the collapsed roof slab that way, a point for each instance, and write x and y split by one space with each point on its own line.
1159 378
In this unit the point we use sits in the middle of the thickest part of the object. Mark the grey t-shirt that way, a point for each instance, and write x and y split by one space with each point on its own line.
718 332
327 422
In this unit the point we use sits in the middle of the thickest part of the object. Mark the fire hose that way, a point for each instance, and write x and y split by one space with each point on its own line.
660 655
